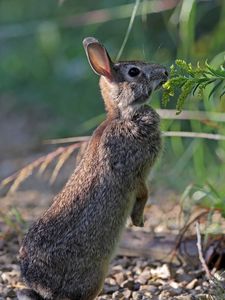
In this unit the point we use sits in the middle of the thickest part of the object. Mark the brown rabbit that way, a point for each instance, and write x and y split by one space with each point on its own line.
66 253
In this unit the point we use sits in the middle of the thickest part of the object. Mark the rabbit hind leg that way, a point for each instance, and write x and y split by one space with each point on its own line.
28 294
91 287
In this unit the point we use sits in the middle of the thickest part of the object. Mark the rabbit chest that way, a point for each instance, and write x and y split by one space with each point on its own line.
131 146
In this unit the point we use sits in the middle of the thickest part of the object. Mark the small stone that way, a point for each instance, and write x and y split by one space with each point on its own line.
150 288
164 295
144 277
130 284
127 293
110 280
104 297
191 285
205 283
137 296
182 276
146 295
119 277
118 295
116 268
203 297
161 272
10 277
198 288
110 286
128 274
185 297
175 291
155 283
174 284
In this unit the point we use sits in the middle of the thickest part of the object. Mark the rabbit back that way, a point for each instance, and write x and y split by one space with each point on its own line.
67 251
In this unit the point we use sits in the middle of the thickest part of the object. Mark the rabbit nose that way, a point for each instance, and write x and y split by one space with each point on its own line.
164 71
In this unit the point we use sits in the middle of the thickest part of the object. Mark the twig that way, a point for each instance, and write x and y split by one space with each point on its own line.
199 135
68 140
191 115
200 253
184 230
62 159
17 178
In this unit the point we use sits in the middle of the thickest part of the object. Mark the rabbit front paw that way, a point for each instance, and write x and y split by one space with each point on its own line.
137 220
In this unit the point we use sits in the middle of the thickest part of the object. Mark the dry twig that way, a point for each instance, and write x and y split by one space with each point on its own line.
199 135
183 231
200 252
41 163
191 115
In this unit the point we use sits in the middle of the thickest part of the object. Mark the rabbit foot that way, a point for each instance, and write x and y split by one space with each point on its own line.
138 221
27 294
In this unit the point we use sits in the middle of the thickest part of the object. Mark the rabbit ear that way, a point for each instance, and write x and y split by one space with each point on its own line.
98 57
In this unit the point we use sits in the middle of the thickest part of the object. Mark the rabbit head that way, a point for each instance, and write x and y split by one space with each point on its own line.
125 86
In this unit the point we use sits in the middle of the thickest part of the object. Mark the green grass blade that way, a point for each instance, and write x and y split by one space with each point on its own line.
136 5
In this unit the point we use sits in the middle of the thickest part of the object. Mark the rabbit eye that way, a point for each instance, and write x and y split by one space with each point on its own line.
133 72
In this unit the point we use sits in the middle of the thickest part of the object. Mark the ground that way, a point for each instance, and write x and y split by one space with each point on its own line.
142 268
133 274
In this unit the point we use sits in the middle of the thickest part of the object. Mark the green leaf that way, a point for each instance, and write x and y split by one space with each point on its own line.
217 72
223 93
216 86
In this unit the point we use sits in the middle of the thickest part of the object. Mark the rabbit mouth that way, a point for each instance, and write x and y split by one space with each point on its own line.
155 86
160 83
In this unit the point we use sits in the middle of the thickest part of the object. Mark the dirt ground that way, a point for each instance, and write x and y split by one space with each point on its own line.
142 268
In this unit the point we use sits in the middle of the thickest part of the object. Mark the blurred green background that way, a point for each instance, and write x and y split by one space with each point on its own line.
44 74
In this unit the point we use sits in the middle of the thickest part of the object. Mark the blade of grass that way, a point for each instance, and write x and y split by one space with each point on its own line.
132 18
187 27
177 144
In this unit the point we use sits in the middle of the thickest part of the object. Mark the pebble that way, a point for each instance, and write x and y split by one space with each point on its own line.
137 296
129 279
144 277
118 295
104 297
174 284
119 277
130 284
191 285
165 295
127 293
150 288
161 272
185 297
110 286
175 292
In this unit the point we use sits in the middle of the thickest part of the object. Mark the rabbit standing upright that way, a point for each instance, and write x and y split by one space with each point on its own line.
66 253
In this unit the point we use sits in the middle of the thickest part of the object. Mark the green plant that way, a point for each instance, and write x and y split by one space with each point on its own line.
13 223
205 196
189 79
217 285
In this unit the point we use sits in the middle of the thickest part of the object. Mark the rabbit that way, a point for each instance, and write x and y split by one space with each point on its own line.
66 253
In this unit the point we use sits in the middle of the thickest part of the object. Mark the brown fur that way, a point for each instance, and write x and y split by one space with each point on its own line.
66 253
